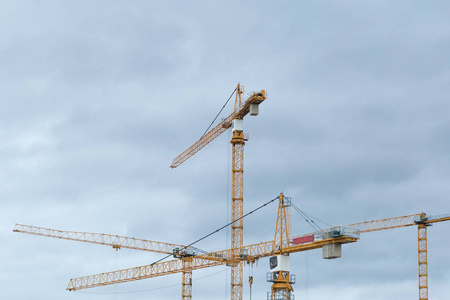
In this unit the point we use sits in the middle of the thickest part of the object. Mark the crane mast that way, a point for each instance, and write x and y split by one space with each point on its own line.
423 261
422 225
186 278
280 276
237 199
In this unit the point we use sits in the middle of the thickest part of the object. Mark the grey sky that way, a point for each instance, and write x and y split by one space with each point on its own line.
98 97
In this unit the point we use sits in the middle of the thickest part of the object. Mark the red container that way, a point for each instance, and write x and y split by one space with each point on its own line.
303 239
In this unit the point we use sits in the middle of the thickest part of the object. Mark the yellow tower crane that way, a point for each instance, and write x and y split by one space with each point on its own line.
422 221
235 121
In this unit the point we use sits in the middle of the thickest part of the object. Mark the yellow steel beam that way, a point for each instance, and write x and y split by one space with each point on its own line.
248 253
375 225
137 273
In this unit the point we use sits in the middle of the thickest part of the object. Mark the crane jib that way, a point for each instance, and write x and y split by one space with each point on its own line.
255 99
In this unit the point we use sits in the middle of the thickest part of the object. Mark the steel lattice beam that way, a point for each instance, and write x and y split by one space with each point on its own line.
116 241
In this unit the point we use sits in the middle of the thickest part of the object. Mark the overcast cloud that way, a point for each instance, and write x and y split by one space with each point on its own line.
98 97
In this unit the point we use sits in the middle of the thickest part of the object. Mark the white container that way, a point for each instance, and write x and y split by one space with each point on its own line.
280 263
237 125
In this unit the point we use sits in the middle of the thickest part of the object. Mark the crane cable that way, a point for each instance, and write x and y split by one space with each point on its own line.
217 230
219 112
309 219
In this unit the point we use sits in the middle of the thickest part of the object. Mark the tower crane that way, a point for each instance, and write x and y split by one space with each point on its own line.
422 221
188 260
235 121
